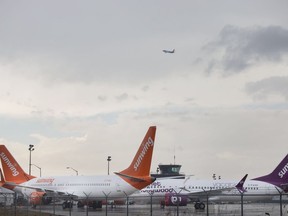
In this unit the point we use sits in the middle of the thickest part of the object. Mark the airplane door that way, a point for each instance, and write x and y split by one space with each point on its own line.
118 187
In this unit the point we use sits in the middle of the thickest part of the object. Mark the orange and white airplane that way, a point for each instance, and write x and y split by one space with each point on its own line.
89 190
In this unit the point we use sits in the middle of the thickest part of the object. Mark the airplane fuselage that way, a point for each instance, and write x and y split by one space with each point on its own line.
216 189
80 186
169 51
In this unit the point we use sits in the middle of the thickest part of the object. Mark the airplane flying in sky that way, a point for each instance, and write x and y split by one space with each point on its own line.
169 51
81 188
261 188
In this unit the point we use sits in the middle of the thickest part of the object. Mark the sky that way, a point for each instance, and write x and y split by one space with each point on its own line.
84 80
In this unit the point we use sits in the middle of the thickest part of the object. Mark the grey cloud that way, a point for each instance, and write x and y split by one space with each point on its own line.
190 100
102 98
122 97
271 86
91 42
145 88
241 48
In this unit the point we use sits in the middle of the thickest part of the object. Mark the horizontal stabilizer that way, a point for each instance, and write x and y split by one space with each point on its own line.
132 178
284 187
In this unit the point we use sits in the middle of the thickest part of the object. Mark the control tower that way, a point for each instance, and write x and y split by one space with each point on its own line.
168 170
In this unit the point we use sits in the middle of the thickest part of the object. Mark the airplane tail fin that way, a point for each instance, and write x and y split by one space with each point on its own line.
138 173
2 181
240 184
11 169
279 176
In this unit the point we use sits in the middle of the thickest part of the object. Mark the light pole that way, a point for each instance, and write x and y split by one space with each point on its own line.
30 149
109 159
73 169
38 168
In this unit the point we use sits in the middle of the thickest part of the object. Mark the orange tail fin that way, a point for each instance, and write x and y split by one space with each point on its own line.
12 170
138 173
2 181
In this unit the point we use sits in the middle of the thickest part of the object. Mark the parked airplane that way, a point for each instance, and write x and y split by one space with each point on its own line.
169 51
81 188
180 191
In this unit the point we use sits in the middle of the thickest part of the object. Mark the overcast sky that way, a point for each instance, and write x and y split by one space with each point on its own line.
82 80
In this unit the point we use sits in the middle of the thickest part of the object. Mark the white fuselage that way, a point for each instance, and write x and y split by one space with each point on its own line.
80 186
215 189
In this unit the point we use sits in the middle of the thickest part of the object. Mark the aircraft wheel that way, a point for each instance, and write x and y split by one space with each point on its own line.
80 204
64 205
202 205
97 204
67 204
197 205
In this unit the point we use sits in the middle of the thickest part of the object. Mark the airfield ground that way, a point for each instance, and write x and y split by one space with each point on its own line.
20 212
253 209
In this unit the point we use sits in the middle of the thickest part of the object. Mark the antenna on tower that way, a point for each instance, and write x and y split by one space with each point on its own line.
174 155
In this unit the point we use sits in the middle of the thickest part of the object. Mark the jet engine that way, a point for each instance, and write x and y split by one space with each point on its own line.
172 199
39 198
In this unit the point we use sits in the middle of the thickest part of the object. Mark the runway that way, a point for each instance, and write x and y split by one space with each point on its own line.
255 209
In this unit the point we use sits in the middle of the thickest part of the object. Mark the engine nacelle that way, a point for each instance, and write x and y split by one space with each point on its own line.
39 198
172 199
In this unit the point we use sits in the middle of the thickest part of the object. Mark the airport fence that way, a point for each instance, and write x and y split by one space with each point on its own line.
237 204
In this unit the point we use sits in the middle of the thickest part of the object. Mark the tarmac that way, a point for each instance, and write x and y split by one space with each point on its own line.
254 209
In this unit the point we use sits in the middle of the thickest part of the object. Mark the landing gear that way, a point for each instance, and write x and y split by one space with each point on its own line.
96 204
80 204
199 205
91 204
67 204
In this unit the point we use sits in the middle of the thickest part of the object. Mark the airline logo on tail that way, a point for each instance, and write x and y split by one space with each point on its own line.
11 169
9 164
279 176
138 172
284 170
147 145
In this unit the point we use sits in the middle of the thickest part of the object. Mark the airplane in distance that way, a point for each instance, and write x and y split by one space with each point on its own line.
172 191
95 189
169 51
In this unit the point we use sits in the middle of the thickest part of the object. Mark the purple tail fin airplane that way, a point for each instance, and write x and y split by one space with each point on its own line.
240 185
279 176
257 189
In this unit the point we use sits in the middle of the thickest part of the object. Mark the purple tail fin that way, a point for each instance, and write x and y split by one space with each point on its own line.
279 176
239 186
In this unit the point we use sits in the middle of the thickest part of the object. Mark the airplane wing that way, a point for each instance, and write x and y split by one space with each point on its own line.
38 189
211 192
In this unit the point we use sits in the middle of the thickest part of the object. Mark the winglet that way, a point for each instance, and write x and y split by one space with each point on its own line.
240 184
138 173
11 169
279 176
